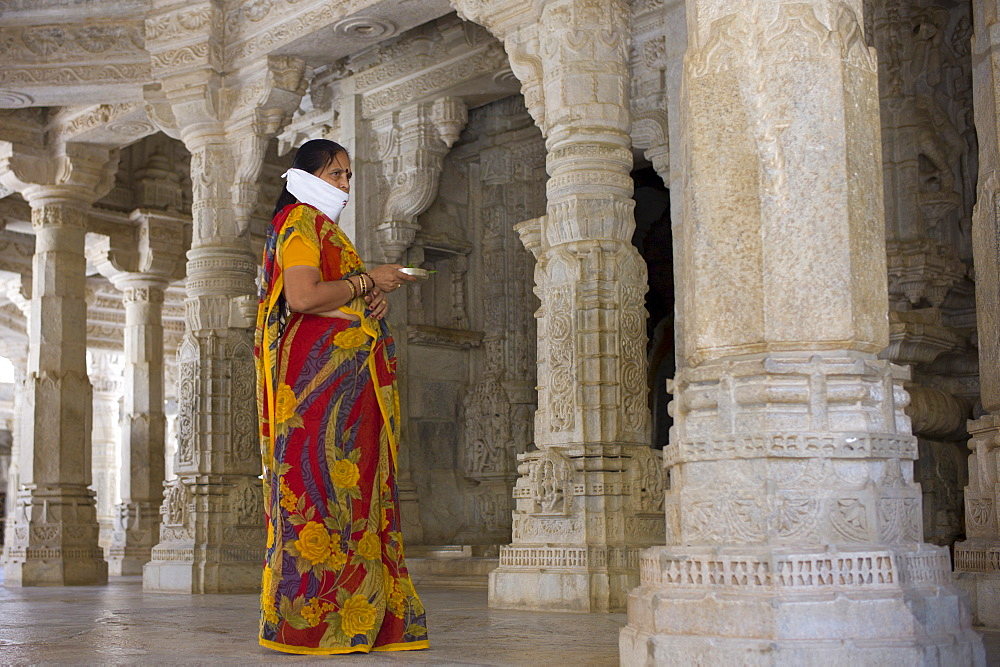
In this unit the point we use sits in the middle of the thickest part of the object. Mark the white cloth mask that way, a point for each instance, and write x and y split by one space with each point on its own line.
314 191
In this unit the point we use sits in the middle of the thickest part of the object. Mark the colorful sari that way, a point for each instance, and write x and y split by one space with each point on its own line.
334 576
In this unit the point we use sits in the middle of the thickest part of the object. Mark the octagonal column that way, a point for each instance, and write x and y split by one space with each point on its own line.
137 516
53 538
106 379
977 560
141 270
793 522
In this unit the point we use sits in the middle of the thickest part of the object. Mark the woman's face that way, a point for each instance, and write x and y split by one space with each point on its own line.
338 173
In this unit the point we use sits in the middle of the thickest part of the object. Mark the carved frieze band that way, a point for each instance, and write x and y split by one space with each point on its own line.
569 558
824 572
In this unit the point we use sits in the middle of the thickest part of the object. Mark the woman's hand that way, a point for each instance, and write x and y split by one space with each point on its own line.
378 305
388 277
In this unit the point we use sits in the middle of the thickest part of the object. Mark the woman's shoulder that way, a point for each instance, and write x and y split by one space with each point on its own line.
298 213
297 219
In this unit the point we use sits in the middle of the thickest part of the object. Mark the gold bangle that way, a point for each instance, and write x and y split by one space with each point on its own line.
354 290
364 283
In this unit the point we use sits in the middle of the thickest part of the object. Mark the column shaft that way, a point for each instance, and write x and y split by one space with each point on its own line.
106 380
211 531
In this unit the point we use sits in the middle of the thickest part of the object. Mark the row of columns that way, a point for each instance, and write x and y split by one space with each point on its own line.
58 532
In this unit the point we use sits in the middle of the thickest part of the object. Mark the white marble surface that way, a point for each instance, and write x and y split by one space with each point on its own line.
120 624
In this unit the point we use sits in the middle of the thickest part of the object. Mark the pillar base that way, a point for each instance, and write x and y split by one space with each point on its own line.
137 528
729 606
56 567
561 579
51 539
127 562
201 571
983 589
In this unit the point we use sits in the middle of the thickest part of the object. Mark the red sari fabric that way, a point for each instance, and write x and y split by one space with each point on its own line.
335 580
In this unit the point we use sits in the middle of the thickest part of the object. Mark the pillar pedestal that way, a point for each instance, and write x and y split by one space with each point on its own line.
977 559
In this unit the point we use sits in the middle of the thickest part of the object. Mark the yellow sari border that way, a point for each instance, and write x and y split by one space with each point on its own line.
361 648
404 646
302 650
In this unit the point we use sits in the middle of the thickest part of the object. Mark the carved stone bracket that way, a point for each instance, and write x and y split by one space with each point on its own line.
412 149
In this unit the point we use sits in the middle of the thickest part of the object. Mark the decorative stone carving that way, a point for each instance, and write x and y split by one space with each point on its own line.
590 290
142 272
412 146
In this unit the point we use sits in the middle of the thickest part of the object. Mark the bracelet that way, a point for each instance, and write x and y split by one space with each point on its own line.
354 290
371 280
364 284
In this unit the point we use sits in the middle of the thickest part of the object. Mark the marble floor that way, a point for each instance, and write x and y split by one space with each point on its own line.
119 624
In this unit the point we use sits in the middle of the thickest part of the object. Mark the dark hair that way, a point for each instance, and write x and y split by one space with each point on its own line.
312 156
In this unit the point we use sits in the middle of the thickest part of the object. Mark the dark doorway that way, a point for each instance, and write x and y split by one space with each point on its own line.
653 240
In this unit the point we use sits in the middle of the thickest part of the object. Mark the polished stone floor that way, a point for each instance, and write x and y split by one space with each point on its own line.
119 624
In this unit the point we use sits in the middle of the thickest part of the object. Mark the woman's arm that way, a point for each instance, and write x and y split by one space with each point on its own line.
307 292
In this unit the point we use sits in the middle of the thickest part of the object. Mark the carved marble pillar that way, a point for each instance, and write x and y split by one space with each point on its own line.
589 499
977 560
793 522
137 519
105 373
212 524
142 272
54 531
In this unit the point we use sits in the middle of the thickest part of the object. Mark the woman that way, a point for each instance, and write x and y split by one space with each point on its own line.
334 577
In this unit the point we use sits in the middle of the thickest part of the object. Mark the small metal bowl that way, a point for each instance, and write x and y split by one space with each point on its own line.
422 274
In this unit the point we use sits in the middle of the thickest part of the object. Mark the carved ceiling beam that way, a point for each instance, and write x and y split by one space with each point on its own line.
318 31
226 120
412 148
16 251
117 124
56 64
155 250
500 17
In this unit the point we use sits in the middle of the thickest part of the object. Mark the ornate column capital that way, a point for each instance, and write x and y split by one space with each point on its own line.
498 16
60 173
155 255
